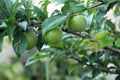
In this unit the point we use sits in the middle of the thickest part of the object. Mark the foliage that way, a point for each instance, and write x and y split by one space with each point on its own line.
95 49
11 71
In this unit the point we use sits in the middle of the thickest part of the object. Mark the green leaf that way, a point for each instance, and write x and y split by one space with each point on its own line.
111 4
23 25
14 8
10 30
40 14
53 22
94 46
60 1
117 9
72 6
44 5
40 42
20 14
11 20
85 73
107 42
59 45
117 42
71 68
2 34
110 24
19 43
35 57
117 78
3 25
27 4
101 34
90 19
95 72
57 56
87 3
5 6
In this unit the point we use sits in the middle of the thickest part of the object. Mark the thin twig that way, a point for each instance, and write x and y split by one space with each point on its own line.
112 49
97 5
35 23
74 33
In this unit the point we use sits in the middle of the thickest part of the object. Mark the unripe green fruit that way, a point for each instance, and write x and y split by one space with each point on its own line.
31 40
77 23
53 36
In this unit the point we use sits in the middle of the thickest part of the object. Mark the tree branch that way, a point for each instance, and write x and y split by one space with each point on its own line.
94 66
35 23
112 49
81 36
74 33
106 47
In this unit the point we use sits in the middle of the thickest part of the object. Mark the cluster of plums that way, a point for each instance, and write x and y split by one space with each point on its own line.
76 23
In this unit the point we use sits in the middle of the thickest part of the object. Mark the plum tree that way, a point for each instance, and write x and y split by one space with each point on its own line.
90 37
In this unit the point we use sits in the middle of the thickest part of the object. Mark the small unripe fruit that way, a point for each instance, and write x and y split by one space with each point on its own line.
77 23
31 40
53 36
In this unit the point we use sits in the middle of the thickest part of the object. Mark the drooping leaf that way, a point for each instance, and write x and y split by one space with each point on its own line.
35 58
2 34
10 30
19 43
40 42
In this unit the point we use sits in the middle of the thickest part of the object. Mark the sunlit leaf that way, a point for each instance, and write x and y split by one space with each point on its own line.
35 58
94 46
53 22
23 25
71 68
